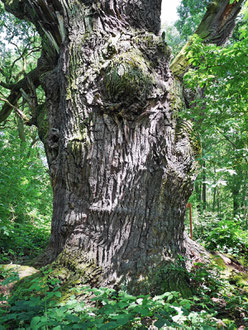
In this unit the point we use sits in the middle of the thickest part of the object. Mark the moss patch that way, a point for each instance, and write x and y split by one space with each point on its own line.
231 269
57 281
166 277
127 79
42 122
21 270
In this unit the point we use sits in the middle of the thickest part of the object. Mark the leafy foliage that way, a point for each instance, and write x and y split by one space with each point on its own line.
218 82
41 306
190 14
173 38
25 197
224 235
20 47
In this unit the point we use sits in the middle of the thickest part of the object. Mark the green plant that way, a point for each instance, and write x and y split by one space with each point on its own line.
25 199
223 235
40 306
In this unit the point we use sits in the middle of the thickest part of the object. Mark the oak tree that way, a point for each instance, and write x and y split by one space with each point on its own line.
121 164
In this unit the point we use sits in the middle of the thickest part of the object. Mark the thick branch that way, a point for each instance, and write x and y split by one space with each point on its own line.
219 21
47 16
216 27
16 93
5 85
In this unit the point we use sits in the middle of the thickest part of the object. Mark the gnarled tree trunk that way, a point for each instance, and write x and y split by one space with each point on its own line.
121 166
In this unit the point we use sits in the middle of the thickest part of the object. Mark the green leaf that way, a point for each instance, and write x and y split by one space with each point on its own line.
160 323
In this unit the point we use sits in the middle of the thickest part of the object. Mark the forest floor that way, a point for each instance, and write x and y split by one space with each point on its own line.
31 299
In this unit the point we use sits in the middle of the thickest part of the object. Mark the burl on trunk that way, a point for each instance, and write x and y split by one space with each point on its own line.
121 165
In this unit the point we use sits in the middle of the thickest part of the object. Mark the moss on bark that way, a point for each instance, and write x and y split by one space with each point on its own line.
127 78
69 272
164 278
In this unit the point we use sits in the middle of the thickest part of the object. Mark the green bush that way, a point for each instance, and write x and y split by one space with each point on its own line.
224 235
25 198
21 242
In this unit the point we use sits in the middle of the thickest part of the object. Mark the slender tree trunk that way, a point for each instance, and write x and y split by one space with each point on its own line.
198 192
236 184
219 201
235 196
121 176
214 200
244 198
21 132
204 187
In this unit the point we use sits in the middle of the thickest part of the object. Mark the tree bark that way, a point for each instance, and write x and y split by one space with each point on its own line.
121 167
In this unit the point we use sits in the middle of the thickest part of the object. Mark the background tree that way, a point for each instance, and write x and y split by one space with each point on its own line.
121 165
173 38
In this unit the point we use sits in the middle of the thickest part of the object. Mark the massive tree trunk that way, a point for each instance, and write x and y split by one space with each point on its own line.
121 166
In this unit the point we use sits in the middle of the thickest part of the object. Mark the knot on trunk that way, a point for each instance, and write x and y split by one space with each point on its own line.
127 82
136 73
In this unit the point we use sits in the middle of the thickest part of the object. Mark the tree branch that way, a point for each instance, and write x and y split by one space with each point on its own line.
5 85
216 27
219 21
18 111
45 15
11 101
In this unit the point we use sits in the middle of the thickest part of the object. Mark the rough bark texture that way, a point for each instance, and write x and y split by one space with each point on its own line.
121 178
121 166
